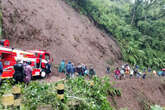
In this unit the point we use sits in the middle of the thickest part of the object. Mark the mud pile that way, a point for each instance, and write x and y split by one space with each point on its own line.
139 94
54 26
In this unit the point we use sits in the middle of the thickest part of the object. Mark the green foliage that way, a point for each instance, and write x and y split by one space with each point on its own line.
37 93
6 87
94 97
156 107
79 94
139 27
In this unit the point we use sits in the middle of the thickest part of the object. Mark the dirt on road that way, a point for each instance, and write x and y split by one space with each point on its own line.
139 94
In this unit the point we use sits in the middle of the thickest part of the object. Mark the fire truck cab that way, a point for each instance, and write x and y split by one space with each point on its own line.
40 60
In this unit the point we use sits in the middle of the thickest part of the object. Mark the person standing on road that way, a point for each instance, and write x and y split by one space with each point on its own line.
68 69
72 71
144 73
135 71
91 72
19 72
48 69
127 70
79 70
28 72
108 70
62 67
86 71
149 70
160 73
131 74
117 73
122 72
1 69
83 69
154 72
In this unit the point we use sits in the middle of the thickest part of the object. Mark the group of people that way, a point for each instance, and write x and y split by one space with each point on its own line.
126 72
23 71
70 69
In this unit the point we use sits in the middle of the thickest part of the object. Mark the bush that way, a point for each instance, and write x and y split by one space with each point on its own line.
79 94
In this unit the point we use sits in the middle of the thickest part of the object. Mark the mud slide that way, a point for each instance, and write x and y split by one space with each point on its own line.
54 26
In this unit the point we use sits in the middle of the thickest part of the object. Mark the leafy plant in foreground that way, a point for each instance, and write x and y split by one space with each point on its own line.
79 94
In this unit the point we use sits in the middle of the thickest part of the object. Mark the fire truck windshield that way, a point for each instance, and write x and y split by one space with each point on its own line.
6 63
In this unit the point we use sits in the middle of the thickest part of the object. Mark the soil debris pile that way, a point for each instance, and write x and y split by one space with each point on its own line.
54 26
138 94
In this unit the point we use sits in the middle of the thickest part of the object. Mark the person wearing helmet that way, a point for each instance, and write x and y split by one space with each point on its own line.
27 72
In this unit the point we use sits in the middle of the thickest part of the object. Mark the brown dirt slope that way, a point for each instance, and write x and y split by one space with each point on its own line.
54 26
138 93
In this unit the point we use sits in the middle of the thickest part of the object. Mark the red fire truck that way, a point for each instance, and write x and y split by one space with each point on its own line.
39 60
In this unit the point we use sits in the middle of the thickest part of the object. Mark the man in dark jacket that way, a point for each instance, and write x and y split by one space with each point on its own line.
79 70
108 70
19 72
69 67
48 68
91 72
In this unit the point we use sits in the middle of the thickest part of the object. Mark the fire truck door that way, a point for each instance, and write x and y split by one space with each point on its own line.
8 63
7 60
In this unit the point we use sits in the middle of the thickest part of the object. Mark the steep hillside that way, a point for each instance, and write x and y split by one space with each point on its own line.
56 27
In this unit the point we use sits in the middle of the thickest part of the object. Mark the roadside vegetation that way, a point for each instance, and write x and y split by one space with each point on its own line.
139 27
80 94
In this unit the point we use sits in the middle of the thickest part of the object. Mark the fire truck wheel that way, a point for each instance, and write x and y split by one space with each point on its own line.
43 74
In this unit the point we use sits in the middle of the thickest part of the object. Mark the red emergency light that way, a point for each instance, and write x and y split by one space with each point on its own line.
5 43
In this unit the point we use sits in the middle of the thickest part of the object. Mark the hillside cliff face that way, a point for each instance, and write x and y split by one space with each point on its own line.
54 26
